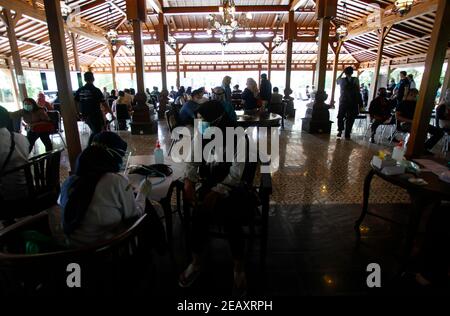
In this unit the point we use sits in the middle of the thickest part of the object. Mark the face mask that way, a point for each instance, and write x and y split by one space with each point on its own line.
27 107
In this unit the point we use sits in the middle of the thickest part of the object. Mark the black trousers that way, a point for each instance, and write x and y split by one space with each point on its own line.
96 123
227 213
346 118
45 138
435 132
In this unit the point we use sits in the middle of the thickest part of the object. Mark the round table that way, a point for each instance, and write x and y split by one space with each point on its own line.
257 120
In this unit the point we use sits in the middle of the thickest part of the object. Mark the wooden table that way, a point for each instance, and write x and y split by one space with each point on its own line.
257 120
422 197
161 191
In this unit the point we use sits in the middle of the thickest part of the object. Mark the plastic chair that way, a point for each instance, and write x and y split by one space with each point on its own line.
172 123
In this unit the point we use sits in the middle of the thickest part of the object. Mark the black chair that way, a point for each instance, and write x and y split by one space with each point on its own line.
105 266
258 226
43 184
55 117
122 115
172 123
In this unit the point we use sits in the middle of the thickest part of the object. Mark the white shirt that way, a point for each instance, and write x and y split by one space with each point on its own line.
113 202
13 186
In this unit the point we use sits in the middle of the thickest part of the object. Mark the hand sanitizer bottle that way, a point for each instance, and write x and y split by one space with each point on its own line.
399 152
159 154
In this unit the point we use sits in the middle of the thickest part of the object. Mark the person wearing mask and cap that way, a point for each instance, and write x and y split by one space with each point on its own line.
350 101
215 188
226 82
97 201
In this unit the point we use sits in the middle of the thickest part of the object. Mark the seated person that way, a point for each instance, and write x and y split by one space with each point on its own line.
220 199
189 108
380 111
405 114
218 94
320 108
13 153
277 98
141 112
236 94
443 112
290 109
97 201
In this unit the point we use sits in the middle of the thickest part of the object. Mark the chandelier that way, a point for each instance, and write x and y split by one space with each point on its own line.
172 41
342 30
66 10
226 22
402 7
111 35
278 39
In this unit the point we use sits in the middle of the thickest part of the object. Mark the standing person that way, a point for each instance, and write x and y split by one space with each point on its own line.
265 90
226 82
37 123
401 89
380 111
364 95
250 95
412 83
43 103
443 112
349 102
308 94
112 97
105 93
90 100
391 88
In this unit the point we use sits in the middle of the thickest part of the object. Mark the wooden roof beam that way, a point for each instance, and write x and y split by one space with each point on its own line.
92 32
155 5
388 17
239 9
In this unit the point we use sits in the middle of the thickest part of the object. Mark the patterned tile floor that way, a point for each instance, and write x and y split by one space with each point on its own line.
317 197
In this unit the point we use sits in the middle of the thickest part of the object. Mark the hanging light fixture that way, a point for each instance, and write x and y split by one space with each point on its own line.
129 43
342 30
172 41
111 35
66 10
278 39
226 22
402 7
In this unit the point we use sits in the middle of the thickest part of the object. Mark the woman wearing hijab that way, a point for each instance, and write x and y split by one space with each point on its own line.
97 201
38 124
43 103
250 95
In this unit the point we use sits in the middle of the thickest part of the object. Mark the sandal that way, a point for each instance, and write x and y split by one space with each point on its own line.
188 277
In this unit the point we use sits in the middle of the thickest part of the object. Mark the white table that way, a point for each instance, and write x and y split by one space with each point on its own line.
160 190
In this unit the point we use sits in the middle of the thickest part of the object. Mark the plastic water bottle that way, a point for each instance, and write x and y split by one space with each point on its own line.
159 154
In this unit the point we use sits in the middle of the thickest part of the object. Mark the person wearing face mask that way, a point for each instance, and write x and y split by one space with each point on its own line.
443 112
97 201
189 108
380 111
37 123
405 115
217 190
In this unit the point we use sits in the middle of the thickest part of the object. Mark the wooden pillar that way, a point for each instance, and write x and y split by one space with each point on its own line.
259 75
184 71
382 33
335 67
269 61
430 80
112 54
325 11
13 82
313 77
62 72
162 49
76 58
10 22
446 83
291 33
138 55
177 56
